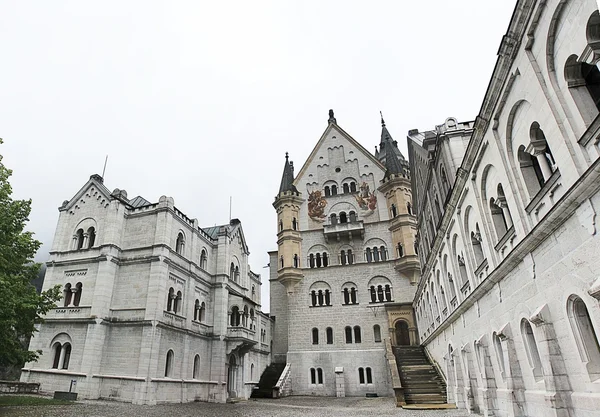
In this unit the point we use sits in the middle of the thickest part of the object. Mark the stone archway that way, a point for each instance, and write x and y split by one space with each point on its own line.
232 377
402 333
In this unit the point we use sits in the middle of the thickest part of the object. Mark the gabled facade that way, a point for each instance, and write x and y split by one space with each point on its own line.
508 300
342 279
155 308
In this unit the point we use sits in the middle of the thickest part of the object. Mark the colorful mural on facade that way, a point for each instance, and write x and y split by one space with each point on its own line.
316 206
367 201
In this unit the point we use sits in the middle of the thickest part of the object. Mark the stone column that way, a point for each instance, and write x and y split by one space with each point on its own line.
543 163
556 378
512 370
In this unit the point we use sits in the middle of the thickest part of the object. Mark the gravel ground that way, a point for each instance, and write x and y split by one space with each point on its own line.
285 407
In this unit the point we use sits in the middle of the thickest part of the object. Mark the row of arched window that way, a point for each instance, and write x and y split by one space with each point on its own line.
347 188
84 240
365 376
234 272
243 318
294 224
347 257
381 293
180 249
352 335
376 254
316 376
394 210
62 355
342 218
72 295
175 305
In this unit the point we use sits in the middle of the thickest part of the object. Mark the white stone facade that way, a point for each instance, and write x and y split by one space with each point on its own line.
147 310
316 364
507 303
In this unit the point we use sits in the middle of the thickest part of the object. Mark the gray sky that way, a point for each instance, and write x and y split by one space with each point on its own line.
200 100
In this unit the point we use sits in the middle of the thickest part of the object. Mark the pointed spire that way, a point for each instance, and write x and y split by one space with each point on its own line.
287 179
392 163
389 154
382 121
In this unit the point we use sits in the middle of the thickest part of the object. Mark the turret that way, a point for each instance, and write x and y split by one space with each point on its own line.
289 243
396 187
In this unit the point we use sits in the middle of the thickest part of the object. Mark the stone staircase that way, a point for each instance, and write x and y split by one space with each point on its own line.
421 381
268 380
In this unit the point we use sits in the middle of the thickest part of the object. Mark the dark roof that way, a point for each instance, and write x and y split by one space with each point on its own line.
392 163
212 231
139 202
287 179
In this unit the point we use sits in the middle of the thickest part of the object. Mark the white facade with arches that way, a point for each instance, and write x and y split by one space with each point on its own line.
155 308
508 300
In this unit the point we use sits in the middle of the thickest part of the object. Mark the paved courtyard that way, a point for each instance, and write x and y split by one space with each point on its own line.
292 406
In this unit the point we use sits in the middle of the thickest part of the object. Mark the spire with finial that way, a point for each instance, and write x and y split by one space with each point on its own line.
287 179
331 117
388 146
382 121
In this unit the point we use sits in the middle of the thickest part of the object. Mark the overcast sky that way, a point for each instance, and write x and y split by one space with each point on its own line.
200 100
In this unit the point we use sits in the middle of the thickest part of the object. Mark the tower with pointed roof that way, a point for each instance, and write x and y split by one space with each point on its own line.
340 289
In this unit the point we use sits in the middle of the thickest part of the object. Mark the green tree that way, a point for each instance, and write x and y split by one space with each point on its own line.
21 307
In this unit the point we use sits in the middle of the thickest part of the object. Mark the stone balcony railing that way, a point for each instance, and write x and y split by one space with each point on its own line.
239 332
348 230
69 313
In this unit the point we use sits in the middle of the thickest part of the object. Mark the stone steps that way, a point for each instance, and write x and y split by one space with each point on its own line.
267 381
420 379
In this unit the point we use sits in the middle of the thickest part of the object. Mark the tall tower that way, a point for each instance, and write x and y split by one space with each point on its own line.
289 242
396 187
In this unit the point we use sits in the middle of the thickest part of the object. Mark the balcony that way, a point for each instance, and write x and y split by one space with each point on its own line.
348 230
240 339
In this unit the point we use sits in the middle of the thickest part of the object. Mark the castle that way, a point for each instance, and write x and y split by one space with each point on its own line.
479 251
155 307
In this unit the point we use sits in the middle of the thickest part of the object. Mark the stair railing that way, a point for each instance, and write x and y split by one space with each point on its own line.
283 387
393 367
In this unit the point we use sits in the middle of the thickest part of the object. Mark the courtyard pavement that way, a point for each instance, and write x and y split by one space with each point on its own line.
285 407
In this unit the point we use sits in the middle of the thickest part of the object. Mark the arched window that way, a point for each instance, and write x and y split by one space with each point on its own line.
383 253
373 293
57 351
179 244
245 317
253 292
236 274
177 303
353 295
281 261
311 260
357 338
438 208
296 261
368 255
325 259
203 259
313 376
329 335
585 335
352 187
346 293
348 333
343 217
393 210
377 333
361 375
234 319
294 224
533 355
531 171
346 188
409 208
388 293
170 298
350 257
333 219
462 268
320 375
91 237
541 151
77 296
280 225
499 353
79 238
232 270
334 190
327 191
66 355
315 336
476 243
202 312
327 298
313 298
369 376
352 217
196 309
251 372
343 257
318 260
380 293
498 219
68 294
169 364
196 369
375 254
400 250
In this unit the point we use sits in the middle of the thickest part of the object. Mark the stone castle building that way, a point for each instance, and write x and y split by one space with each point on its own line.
507 208
343 278
155 308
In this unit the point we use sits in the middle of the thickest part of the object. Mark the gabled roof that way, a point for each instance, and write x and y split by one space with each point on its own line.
333 125
234 226
139 201
95 180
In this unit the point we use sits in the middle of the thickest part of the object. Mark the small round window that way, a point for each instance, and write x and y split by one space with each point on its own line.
338 169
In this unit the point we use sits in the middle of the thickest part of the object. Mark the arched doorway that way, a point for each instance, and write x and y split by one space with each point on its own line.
402 333
231 377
